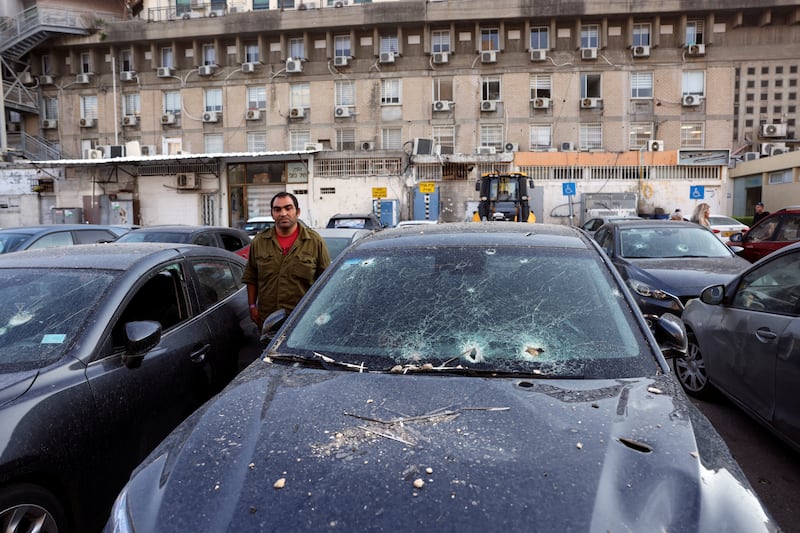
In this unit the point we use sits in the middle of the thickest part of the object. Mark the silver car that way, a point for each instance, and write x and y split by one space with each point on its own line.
744 340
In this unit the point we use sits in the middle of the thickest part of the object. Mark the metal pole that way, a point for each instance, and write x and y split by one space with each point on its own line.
3 136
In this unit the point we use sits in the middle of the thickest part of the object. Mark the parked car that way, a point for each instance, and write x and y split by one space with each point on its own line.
355 221
724 226
51 235
337 239
667 262
438 379
103 351
744 340
593 224
230 239
257 224
771 233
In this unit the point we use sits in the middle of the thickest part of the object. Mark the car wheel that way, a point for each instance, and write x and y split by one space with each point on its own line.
691 370
26 507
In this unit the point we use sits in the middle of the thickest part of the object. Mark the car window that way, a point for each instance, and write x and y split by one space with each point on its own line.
592 224
11 241
789 229
206 239
773 287
606 240
233 242
59 238
670 242
762 231
91 236
217 280
353 223
155 236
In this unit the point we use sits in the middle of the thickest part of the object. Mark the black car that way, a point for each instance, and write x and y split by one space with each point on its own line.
667 262
231 239
355 221
104 349
463 383
52 235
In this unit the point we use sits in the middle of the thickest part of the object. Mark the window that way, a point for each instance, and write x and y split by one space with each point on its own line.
492 135
172 102
209 54
260 4
252 53
782 176
131 104
388 43
541 86
641 34
443 89
341 46
213 99
392 138
490 40
641 84
167 58
445 138
257 97
297 48
390 92
440 41
51 108
590 36
772 287
694 32
692 135
591 137
640 134
256 141
541 136
540 38
346 139
46 67
345 93
88 106
490 88
300 95
590 86
298 139
694 82
213 143
126 61
86 63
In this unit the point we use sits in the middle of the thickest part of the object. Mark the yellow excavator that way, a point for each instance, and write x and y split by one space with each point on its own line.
504 196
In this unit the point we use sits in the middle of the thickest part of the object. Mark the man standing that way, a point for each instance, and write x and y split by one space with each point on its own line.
284 261
760 213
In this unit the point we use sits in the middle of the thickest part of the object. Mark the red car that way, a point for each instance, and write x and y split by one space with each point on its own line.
779 229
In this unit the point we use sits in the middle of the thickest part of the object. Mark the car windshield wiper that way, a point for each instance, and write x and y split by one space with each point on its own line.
481 372
320 360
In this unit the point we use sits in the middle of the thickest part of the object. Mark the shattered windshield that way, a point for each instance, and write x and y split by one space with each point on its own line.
43 312
671 242
504 309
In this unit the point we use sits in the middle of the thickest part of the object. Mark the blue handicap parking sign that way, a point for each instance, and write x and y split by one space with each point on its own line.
568 188
697 192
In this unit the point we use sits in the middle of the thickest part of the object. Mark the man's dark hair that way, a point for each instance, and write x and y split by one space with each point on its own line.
284 194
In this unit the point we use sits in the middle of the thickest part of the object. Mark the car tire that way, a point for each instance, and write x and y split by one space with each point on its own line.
691 371
24 505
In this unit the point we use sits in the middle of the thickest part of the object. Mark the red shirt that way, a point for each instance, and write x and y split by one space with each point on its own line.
287 242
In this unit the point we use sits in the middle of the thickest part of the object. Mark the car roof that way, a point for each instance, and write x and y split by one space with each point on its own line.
651 223
353 215
184 228
342 232
44 228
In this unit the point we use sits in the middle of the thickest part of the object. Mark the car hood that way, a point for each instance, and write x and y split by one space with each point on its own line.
302 449
686 277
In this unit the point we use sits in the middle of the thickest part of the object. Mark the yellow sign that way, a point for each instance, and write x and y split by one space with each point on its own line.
379 192
427 187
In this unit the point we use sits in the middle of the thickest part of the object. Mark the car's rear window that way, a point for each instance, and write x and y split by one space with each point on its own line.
156 236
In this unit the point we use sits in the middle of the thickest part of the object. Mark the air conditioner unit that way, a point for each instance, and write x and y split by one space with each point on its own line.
486 150
696 50
690 100
591 103
294 65
778 150
567 147
440 58
313 146
655 146
511 147
86 122
538 55
386 57
773 130
541 103
82 78
168 118
105 150
113 150
588 53
248 68
341 111
46 79
341 61
127 75
367 146
91 153
489 105
164 72
130 120
751 156
186 181
252 114
149 149
210 116
490 56
25 78
641 51
772 148
442 105
297 112
205 70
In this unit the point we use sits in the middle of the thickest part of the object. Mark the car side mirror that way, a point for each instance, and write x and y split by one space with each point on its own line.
140 338
271 325
670 333
736 237
713 295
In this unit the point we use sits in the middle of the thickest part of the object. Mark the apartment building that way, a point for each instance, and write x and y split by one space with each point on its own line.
199 111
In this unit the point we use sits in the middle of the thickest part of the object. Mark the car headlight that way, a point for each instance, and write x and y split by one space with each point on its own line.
120 519
643 289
